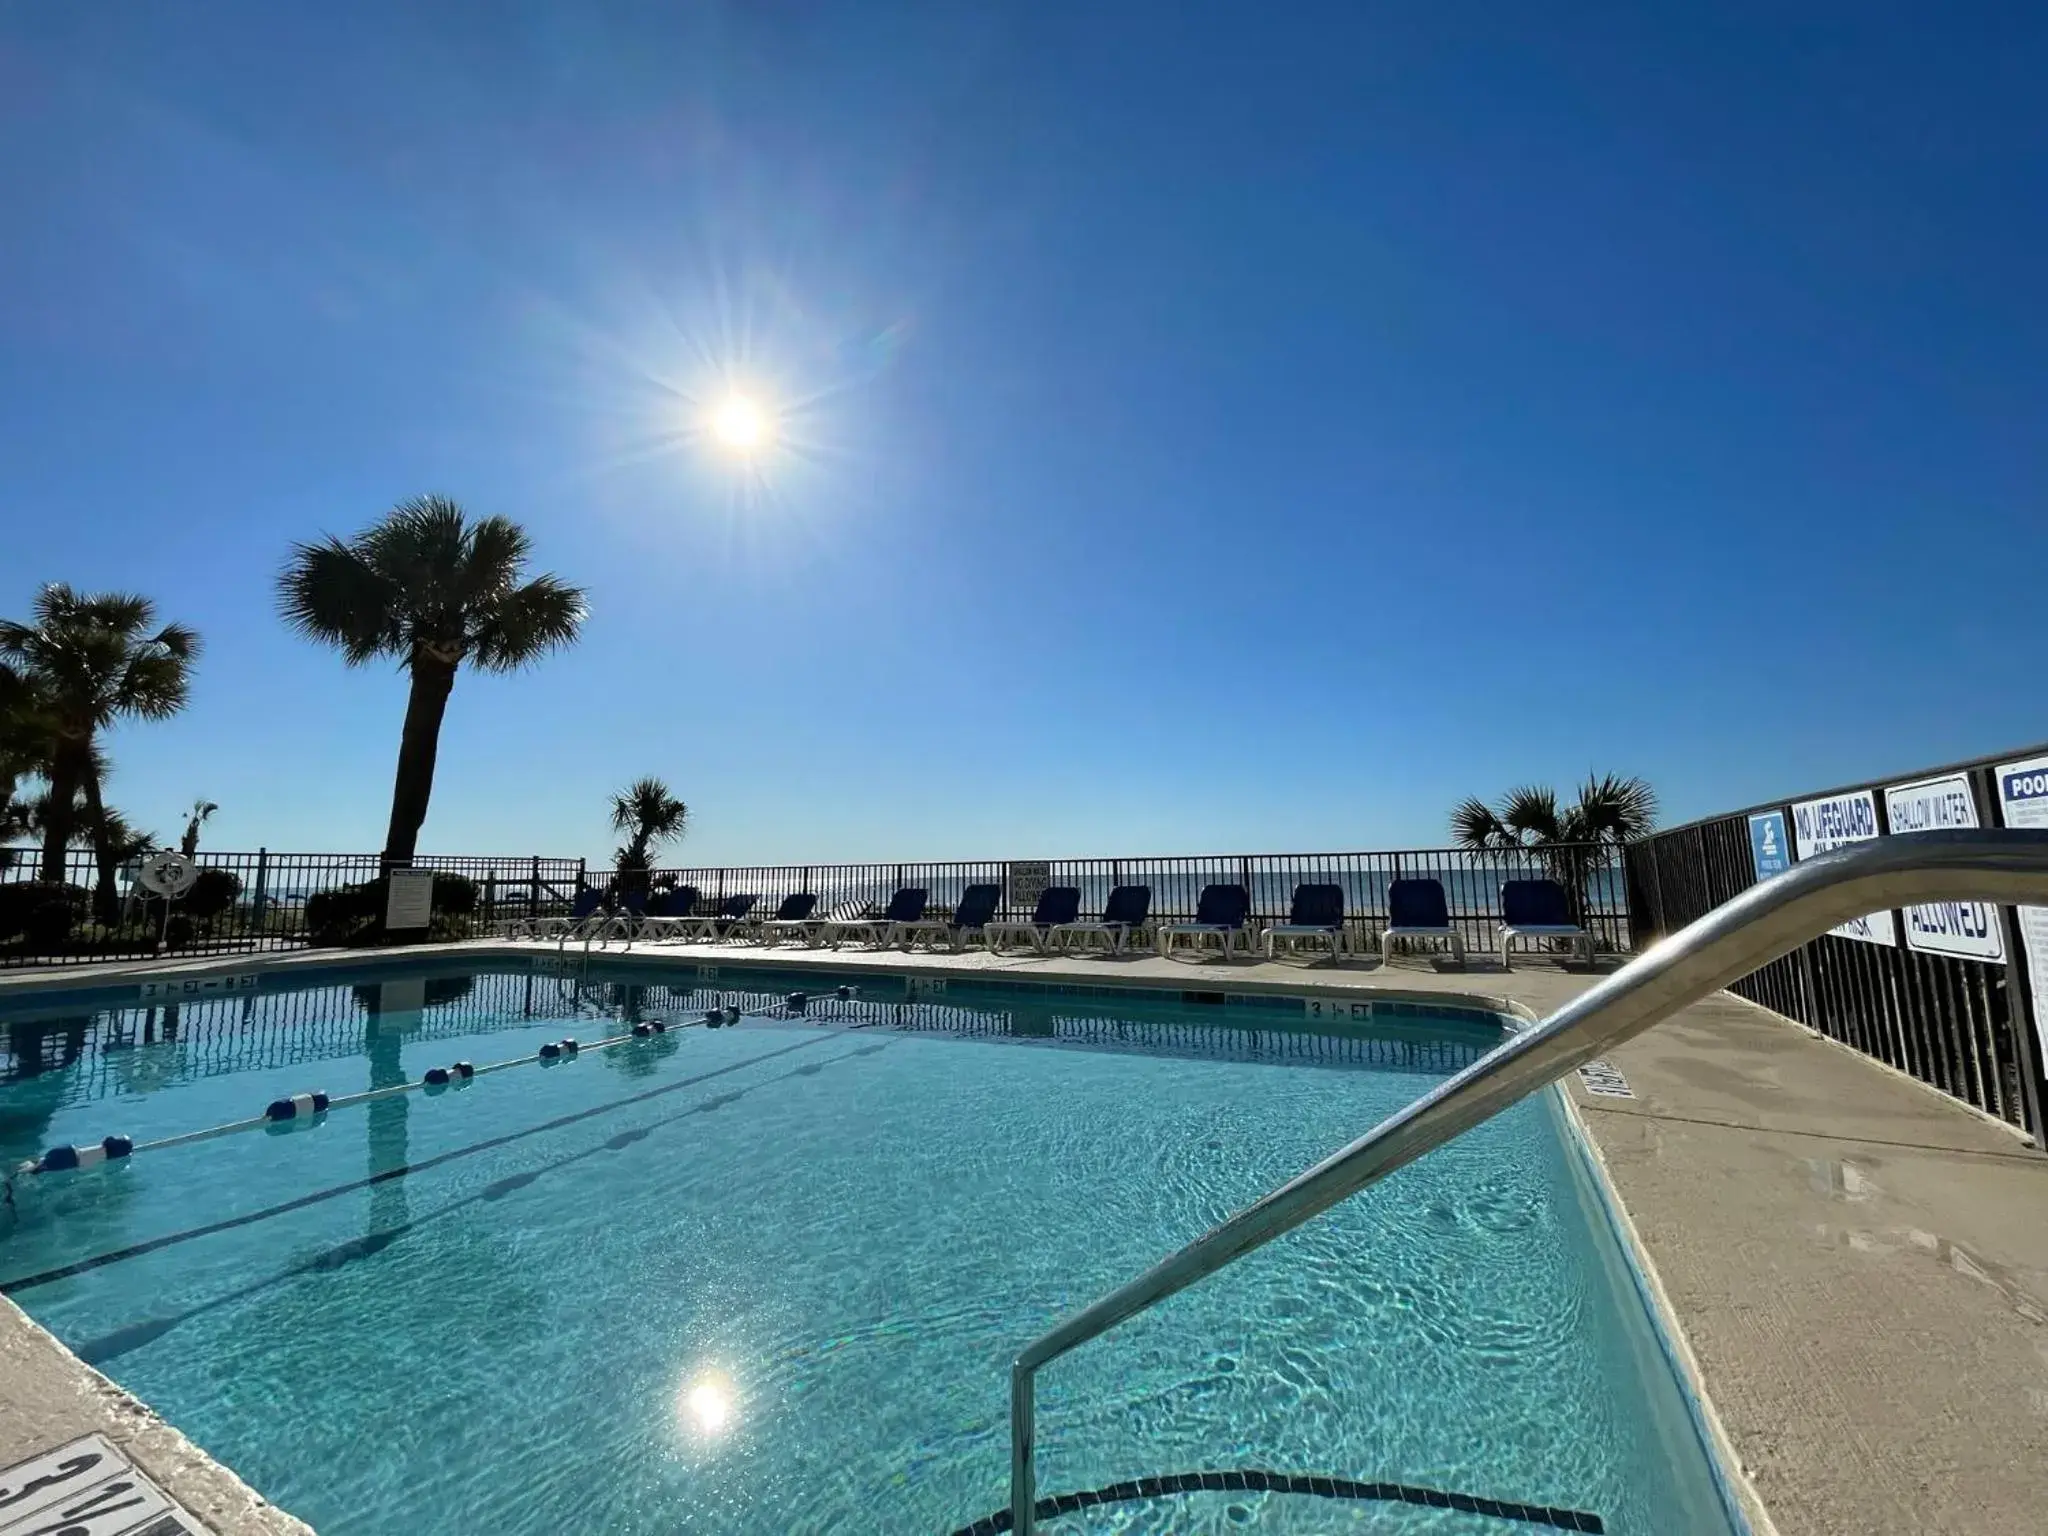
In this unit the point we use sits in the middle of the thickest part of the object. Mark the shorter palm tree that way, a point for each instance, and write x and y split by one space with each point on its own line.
202 812
87 662
649 815
1570 840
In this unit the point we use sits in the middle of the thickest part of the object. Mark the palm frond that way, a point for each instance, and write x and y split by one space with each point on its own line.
1530 812
1616 809
527 622
1473 825
329 592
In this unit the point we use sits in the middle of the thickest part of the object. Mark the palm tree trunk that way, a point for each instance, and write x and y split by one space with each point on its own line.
60 817
104 905
417 748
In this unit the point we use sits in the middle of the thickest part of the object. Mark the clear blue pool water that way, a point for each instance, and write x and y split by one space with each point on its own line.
768 1279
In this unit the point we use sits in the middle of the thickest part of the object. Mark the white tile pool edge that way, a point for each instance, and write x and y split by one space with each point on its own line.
1739 1498
48 1397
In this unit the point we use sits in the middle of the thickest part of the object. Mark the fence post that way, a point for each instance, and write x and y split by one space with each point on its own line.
582 868
262 892
533 891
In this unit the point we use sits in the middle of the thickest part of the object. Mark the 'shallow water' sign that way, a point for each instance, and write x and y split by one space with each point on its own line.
1821 826
1968 929
1028 882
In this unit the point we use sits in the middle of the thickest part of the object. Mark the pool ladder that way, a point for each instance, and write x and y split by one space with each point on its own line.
1763 923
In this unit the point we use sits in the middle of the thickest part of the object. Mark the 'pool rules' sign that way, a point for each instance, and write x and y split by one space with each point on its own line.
1821 826
409 902
1970 930
2023 802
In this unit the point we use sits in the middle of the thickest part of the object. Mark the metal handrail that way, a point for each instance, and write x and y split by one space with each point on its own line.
1766 921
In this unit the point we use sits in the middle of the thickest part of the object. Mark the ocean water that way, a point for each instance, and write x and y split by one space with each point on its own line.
769 1278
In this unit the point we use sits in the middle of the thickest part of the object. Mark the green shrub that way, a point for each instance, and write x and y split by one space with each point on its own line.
354 914
212 894
42 911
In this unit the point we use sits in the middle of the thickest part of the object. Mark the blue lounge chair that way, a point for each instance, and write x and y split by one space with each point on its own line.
1416 909
1538 909
587 907
663 915
793 919
905 909
1058 905
1315 919
978 904
1123 919
1221 914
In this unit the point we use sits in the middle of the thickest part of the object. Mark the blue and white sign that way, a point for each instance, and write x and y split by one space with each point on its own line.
1970 930
2023 802
1770 847
1821 826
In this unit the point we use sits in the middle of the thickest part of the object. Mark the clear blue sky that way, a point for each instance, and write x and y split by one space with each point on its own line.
1207 428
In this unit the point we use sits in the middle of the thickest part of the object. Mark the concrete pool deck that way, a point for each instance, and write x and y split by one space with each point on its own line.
1858 1264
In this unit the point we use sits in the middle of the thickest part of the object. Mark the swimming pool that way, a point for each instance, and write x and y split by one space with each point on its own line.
768 1278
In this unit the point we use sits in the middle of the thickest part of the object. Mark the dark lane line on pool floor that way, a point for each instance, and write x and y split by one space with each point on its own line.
1258 1480
133 1336
152 1245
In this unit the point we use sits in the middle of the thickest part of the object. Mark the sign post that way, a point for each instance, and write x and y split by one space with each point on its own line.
408 901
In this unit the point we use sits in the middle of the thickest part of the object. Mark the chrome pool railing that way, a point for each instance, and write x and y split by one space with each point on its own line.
1728 943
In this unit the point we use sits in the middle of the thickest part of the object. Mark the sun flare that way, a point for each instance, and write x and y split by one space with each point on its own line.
740 424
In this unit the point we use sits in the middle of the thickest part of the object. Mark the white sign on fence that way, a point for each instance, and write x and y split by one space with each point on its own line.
1970 930
1821 826
1028 882
2023 801
409 905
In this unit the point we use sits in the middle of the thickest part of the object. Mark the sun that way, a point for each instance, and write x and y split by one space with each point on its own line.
740 424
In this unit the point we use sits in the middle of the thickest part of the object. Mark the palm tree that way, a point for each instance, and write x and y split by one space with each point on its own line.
434 589
113 837
1569 839
202 812
650 816
86 663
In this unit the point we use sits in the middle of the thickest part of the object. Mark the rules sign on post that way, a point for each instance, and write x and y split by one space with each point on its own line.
2023 802
409 905
1970 930
1821 826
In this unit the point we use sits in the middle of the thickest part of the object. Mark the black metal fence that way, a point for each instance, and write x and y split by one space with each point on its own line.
1471 880
242 903
247 902
1962 1023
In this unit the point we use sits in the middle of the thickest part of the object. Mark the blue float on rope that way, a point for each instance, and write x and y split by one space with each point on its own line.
436 1077
300 1106
59 1159
796 1001
550 1051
